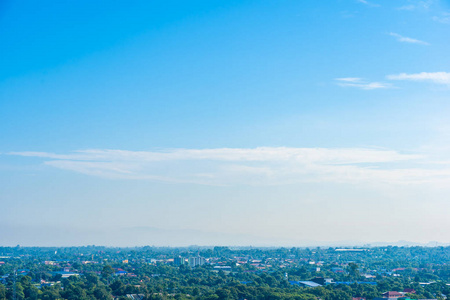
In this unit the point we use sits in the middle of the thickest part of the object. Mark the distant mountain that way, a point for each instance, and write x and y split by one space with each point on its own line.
152 236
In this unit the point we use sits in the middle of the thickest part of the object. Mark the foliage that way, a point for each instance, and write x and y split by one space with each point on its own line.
256 273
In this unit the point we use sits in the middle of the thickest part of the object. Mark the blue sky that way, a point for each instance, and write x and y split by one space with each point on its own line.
221 122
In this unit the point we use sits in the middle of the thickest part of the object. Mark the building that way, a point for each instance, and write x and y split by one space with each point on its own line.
120 272
392 294
305 283
178 261
322 281
65 274
196 261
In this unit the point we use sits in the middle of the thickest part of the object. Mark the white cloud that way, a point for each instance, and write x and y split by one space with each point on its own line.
407 7
361 84
405 39
255 166
436 77
349 79
326 155
443 18
368 3
368 86
426 4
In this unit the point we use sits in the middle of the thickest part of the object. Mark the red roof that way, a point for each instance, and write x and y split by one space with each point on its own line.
392 294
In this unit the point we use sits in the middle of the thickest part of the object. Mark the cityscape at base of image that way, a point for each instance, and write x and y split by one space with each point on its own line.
221 273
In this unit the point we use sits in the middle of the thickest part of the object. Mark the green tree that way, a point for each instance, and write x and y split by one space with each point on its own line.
107 271
101 293
353 270
50 294
223 294
92 279
2 292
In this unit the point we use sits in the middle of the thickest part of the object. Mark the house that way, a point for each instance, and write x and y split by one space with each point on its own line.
64 274
23 272
120 272
410 291
392 294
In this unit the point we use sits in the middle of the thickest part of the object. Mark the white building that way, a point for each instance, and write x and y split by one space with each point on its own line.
196 261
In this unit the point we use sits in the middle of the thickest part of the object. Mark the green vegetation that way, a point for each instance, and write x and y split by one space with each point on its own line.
239 273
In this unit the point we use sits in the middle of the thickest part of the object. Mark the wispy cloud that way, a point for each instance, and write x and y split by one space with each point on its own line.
368 3
407 7
349 79
335 156
361 84
417 5
248 166
442 18
434 77
405 39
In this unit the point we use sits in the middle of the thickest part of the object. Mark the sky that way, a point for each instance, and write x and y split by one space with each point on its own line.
264 123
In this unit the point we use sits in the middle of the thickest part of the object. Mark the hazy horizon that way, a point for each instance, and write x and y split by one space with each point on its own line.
258 122
157 237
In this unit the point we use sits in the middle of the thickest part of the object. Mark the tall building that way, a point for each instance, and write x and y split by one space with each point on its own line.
196 261
178 261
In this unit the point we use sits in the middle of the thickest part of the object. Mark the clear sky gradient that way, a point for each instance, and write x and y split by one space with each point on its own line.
224 122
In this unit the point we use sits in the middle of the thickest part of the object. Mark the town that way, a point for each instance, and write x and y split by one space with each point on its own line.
219 273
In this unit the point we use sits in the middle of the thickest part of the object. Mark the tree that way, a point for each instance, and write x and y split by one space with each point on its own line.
2 292
102 294
50 294
353 270
224 294
19 291
118 288
92 279
107 271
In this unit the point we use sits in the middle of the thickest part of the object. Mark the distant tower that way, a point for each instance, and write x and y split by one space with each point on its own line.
178 261
196 261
